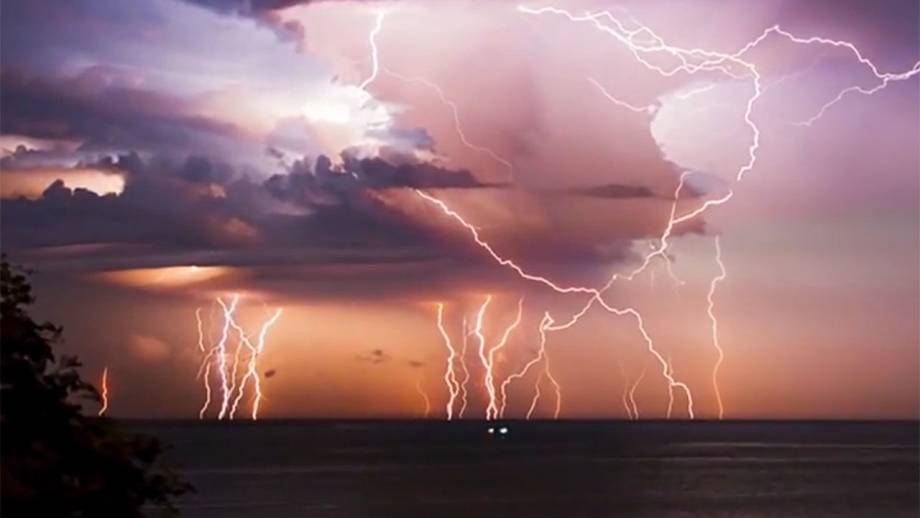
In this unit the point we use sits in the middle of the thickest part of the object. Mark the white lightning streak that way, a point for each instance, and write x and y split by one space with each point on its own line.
632 395
375 69
458 127
648 109
710 310
450 378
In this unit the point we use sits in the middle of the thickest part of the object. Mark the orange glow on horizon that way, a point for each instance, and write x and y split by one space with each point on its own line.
169 277
31 183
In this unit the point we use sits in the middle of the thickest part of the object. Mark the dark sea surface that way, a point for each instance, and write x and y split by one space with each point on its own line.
592 469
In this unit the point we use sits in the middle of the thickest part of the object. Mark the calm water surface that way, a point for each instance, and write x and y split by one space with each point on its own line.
591 469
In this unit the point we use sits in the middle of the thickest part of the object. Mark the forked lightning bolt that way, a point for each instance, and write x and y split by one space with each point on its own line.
232 386
455 110
645 46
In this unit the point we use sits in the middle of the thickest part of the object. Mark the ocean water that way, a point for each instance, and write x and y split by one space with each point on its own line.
590 469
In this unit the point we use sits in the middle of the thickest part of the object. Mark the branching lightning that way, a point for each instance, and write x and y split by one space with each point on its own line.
632 395
651 51
458 127
487 357
232 385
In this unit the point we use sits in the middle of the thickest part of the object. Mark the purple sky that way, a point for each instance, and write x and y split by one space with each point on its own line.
159 155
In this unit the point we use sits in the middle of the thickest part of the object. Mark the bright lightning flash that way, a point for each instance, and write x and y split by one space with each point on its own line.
648 49
232 385
105 392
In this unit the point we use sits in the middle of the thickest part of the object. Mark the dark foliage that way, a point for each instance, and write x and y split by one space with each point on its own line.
55 460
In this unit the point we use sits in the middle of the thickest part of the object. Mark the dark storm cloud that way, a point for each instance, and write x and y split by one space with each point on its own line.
250 7
99 108
198 203
613 191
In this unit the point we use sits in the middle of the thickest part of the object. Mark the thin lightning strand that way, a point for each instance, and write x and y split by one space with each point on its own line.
710 310
375 69
597 295
458 127
649 109
670 394
205 370
540 357
200 330
105 392
425 398
256 382
222 353
642 42
557 389
690 61
632 395
625 395
694 60
242 341
536 395
455 110
541 353
230 382
487 358
251 372
696 91
450 378
464 391
480 337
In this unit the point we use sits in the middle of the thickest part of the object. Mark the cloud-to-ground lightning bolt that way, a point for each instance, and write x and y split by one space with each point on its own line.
221 351
487 357
671 394
104 395
424 395
644 43
597 295
690 61
464 391
541 356
632 395
251 372
450 376
205 370
710 310
232 386
624 397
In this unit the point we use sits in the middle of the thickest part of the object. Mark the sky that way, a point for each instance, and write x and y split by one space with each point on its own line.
162 160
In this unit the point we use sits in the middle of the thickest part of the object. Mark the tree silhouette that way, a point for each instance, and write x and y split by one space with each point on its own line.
54 460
